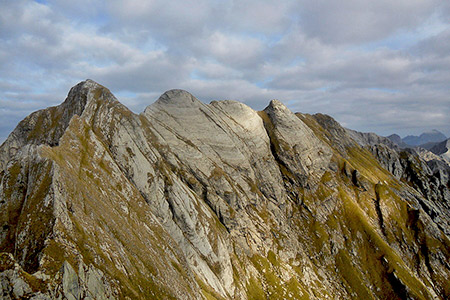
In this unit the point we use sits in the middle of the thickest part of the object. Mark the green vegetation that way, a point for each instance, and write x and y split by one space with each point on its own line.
143 257
376 256
352 278
207 291
350 233
271 284
255 290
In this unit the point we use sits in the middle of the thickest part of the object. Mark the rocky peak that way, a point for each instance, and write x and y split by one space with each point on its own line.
48 125
276 105
78 95
295 144
396 139
191 201
178 97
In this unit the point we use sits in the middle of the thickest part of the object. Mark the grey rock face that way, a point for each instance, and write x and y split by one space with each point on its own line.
70 285
295 145
48 125
443 150
88 283
370 139
190 201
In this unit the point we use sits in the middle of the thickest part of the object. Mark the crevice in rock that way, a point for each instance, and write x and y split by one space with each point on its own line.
288 178
355 178
416 226
216 209
378 210
398 287
169 201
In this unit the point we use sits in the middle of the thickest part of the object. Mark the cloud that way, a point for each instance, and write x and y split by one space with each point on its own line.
380 66
359 21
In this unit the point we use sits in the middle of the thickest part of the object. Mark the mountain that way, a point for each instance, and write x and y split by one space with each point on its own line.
442 149
188 200
432 136
396 139
428 146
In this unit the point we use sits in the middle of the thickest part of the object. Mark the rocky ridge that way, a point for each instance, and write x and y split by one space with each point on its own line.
214 201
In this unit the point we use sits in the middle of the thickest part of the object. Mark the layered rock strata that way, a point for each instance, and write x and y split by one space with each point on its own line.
214 201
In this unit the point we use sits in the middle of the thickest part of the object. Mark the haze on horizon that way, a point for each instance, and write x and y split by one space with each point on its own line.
379 66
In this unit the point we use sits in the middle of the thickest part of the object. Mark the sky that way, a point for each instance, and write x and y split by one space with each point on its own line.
375 66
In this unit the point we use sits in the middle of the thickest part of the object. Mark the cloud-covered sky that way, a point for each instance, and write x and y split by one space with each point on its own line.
380 66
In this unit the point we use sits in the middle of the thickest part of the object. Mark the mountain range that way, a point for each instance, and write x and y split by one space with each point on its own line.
426 140
188 200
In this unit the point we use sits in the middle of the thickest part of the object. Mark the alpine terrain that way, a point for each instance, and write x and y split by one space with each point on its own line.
215 201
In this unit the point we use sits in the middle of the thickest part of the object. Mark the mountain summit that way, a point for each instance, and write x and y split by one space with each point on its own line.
189 200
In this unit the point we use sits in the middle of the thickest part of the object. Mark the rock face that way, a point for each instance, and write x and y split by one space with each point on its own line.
215 201
443 150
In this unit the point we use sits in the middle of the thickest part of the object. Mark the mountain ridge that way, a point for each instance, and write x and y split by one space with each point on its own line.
425 140
217 201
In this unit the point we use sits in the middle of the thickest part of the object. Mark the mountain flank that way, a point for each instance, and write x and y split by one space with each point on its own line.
188 200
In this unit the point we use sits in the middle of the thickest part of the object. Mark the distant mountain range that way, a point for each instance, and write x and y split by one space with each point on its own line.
426 140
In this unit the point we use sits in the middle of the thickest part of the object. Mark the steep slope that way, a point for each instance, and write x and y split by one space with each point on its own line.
191 201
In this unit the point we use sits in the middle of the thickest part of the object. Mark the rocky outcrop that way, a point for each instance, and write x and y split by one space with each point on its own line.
443 150
191 201
87 283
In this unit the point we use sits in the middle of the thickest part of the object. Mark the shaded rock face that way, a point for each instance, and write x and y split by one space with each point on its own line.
214 201
443 150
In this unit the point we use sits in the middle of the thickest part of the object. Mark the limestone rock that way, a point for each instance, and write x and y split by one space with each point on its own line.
189 200
295 146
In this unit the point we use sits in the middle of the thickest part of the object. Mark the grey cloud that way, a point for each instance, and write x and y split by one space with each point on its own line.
356 21
158 71
381 112
316 56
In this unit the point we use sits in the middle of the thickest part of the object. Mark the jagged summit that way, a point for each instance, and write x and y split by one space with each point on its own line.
276 105
47 126
215 201
81 93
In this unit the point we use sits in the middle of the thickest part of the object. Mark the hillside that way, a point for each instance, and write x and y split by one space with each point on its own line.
215 201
